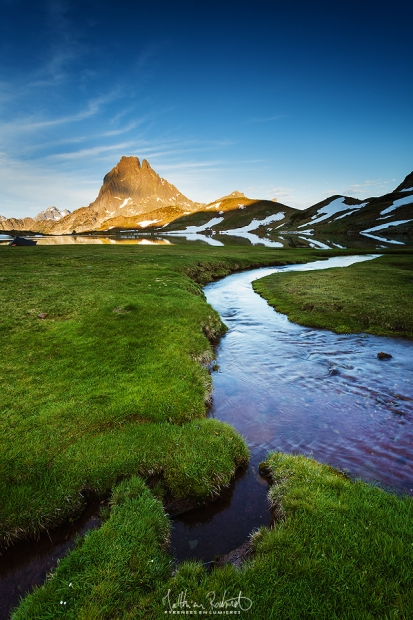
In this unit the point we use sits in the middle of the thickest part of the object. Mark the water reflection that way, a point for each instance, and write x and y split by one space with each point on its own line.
23 567
205 238
305 390
299 390
121 239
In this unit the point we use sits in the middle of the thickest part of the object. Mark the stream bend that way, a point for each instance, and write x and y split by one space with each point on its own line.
299 390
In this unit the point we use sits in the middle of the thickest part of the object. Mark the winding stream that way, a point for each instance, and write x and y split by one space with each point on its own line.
299 390
283 387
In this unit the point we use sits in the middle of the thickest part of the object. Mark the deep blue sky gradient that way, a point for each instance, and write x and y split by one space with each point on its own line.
292 100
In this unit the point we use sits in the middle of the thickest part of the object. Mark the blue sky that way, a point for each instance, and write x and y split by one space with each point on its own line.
292 100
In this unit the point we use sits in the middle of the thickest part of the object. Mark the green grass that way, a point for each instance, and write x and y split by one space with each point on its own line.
115 380
110 389
340 549
374 297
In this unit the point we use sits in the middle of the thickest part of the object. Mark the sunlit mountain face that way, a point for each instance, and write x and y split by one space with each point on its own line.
133 197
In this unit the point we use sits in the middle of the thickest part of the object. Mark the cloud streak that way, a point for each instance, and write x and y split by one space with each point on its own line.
267 119
366 186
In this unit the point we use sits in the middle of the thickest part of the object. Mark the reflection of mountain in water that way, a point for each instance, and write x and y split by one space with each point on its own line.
288 240
205 239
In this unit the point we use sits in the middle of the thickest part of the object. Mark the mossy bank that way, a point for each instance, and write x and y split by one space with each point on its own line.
111 388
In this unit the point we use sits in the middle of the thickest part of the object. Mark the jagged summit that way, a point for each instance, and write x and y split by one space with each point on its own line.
130 192
136 186
51 213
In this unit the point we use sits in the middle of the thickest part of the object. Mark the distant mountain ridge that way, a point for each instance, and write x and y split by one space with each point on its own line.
32 224
234 215
391 214
51 213
134 197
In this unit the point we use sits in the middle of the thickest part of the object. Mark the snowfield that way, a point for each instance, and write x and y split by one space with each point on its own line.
125 202
197 229
146 223
398 203
331 209
192 233
255 223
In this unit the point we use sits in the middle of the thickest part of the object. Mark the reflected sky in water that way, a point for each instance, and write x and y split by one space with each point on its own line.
298 390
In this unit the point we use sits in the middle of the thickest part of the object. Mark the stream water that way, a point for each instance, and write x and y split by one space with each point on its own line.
303 391
283 387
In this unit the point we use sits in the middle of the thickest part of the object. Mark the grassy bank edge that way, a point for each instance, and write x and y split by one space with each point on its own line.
374 298
338 549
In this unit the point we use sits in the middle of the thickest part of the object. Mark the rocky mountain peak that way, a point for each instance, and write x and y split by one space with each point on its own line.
51 213
130 179
130 190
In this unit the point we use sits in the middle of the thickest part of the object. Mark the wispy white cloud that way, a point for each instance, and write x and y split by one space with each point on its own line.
366 186
91 152
281 193
93 107
62 46
266 119
33 186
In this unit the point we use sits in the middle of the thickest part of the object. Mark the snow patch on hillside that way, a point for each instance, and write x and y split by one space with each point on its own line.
398 203
331 209
245 233
276 217
197 229
125 202
146 223
350 212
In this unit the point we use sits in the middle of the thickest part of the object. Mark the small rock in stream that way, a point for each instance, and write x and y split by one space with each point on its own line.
384 356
